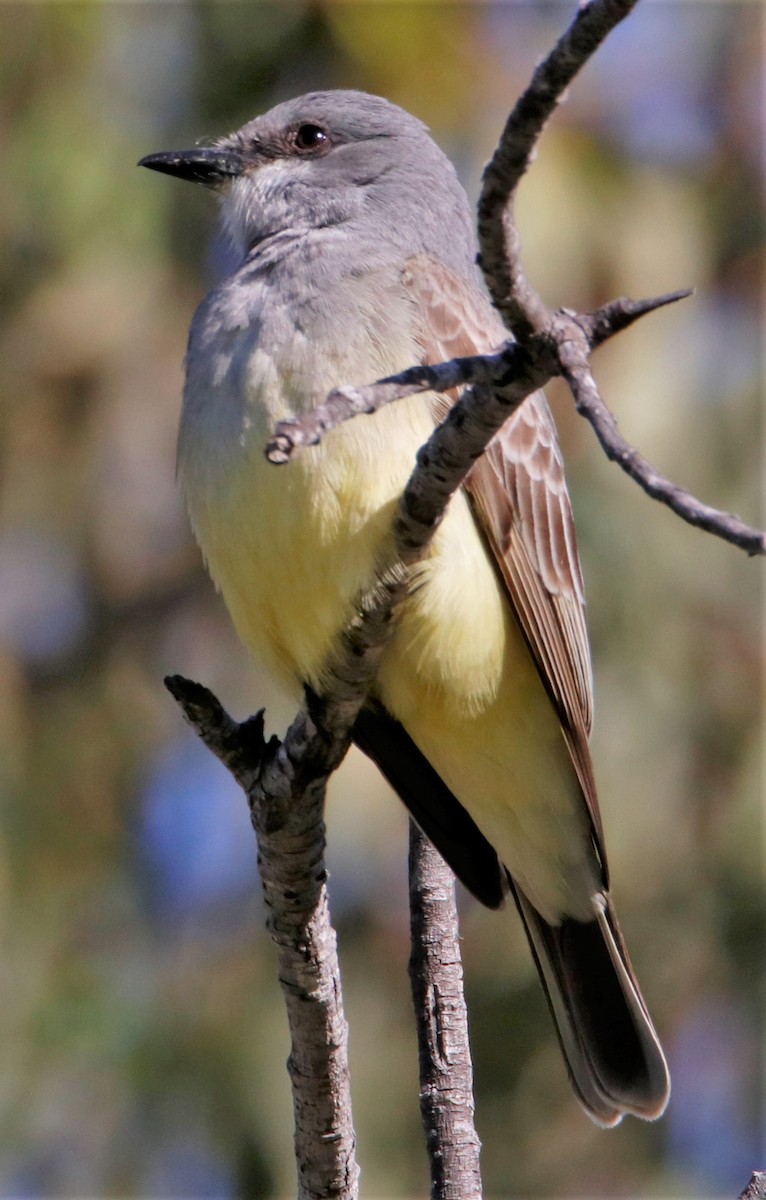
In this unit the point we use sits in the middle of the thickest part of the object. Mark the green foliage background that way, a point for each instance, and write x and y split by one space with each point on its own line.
141 1032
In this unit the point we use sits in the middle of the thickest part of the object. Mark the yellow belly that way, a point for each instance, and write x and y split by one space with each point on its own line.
290 549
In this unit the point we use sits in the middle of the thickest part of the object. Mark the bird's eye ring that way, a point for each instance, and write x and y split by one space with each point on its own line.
309 137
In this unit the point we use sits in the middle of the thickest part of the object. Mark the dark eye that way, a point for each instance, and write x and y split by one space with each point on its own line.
309 137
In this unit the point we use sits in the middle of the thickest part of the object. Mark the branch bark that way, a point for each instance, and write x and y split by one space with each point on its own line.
514 297
500 381
756 1188
446 1071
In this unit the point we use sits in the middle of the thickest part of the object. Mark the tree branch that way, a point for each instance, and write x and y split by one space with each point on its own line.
756 1188
514 297
446 1072
516 371
588 401
519 304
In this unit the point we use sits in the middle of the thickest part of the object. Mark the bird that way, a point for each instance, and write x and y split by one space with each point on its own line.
356 258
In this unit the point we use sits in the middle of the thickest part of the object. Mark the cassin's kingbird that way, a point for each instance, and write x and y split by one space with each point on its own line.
357 260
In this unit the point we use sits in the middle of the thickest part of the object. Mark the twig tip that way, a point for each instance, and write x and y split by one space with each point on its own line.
193 698
279 448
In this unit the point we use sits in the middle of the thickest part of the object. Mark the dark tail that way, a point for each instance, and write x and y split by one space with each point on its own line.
613 1055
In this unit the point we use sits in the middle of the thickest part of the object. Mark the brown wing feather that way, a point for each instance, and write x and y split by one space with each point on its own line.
519 494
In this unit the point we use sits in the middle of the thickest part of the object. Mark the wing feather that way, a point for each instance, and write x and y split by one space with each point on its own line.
518 490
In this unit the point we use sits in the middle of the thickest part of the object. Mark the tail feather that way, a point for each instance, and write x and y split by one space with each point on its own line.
612 1052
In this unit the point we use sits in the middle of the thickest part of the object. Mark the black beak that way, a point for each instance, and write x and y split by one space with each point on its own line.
211 167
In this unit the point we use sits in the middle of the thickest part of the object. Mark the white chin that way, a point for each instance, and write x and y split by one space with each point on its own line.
254 205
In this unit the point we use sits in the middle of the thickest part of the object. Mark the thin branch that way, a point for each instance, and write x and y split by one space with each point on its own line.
577 372
620 314
506 377
529 365
756 1188
514 297
563 350
346 402
446 1071
521 307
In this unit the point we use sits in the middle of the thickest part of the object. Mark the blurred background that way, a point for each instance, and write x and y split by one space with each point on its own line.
141 1029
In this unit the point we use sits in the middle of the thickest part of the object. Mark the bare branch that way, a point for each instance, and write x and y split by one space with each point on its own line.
531 364
240 747
446 1072
344 403
523 310
514 297
756 1188
285 783
620 314
578 374
506 378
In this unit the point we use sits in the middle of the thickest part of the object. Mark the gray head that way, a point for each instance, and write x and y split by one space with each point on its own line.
333 159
